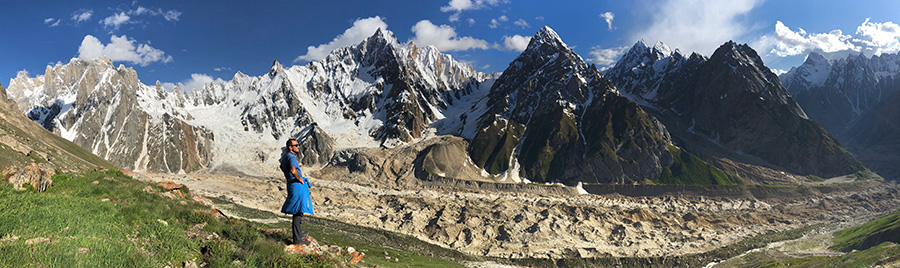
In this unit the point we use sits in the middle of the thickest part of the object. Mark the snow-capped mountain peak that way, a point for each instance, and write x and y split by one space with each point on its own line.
547 35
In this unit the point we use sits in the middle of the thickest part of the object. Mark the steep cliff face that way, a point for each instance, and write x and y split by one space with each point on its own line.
736 104
22 142
550 117
875 137
103 109
838 92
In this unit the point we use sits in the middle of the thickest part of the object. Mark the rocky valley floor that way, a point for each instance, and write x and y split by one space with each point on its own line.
530 225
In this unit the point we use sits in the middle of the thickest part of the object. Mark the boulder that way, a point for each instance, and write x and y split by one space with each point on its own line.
37 175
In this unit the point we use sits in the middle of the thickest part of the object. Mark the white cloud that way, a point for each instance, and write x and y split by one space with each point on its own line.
485 66
606 56
516 42
608 17
471 21
540 18
494 24
787 42
879 37
172 15
140 11
49 20
361 29
219 69
82 15
463 5
698 25
121 49
871 38
113 22
521 23
444 37
778 71
458 6
197 81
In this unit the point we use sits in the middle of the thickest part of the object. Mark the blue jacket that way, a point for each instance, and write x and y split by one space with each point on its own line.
298 199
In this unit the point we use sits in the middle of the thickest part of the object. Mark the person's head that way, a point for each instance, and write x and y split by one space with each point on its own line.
292 145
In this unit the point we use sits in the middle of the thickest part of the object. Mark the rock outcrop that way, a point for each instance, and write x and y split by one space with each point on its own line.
38 176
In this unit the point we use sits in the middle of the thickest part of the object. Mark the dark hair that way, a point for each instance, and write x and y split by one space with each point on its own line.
288 142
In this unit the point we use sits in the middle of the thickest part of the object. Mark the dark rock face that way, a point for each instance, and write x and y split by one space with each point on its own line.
875 137
553 118
733 101
836 93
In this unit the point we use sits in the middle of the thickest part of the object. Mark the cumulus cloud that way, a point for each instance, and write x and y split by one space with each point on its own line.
608 17
113 22
82 15
197 81
516 42
219 69
471 21
361 29
871 38
790 43
698 25
521 23
444 37
606 56
879 37
121 48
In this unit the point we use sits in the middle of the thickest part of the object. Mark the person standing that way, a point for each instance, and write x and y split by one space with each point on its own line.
291 169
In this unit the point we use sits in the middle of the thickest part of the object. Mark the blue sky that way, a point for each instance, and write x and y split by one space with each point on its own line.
188 43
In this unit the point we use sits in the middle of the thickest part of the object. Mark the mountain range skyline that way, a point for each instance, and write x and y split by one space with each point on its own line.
191 44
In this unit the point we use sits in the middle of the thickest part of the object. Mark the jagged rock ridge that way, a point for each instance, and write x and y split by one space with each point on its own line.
733 104
836 93
551 117
376 93
100 108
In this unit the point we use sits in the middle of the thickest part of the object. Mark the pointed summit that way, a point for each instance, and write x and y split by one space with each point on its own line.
276 68
548 36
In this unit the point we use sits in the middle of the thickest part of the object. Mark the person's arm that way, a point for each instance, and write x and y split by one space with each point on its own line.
296 174
295 169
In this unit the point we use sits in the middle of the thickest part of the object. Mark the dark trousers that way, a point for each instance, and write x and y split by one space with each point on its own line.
297 233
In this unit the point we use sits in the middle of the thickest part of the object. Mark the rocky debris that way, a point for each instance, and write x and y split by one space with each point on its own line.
335 252
197 231
9 238
522 224
201 200
36 175
274 231
37 240
213 212
170 185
